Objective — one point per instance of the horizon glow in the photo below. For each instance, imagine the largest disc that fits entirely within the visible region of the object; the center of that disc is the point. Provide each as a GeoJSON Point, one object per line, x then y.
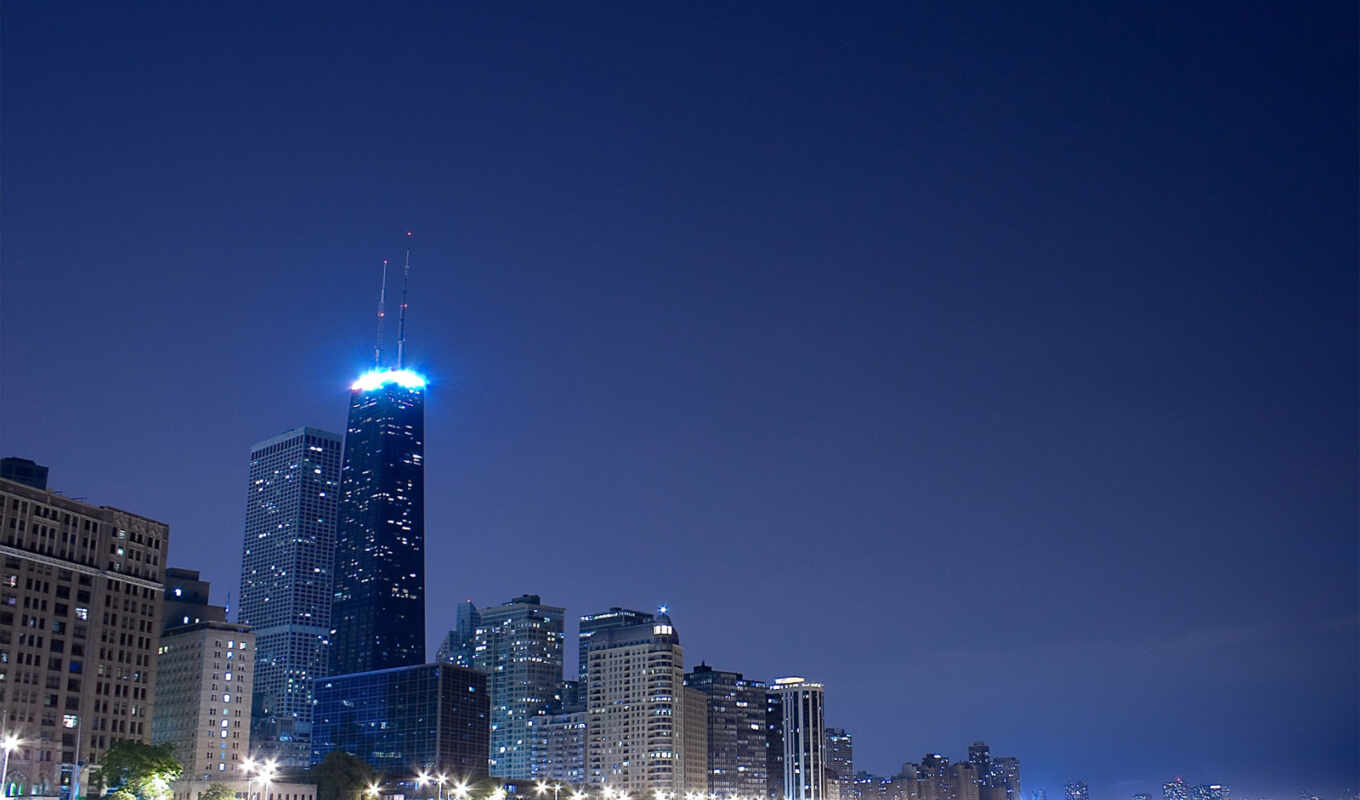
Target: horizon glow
{"type": "Point", "coordinates": [378, 378]}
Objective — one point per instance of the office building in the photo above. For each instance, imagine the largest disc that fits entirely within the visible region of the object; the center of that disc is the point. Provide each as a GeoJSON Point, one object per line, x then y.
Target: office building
{"type": "Point", "coordinates": [1210, 791]}
{"type": "Point", "coordinates": [694, 739]}
{"type": "Point", "coordinates": [1175, 789]}
{"type": "Point", "coordinates": [804, 738]}
{"type": "Point", "coordinates": [433, 717]}
{"type": "Point", "coordinates": [519, 647]}
{"type": "Point", "coordinates": [378, 613]}
{"type": "Point", "coordinates": [637, 712]}
{"type": "Point", "coordinates": [203, 691]}
{"type": "Point", "coordinates": [1076, 791]}
{"type": "Point", "coordinates": [287, 559]}
{"type": "Point", "coordinates": [774, 746]}
{"type": "Point", "coordinates": [840, 764]}
{"type": "Point", "coordinates": [186, 600]}
{"type": "Point", "coordinates": [736, 731]}
{"type": "Point", "coordinates": [560, 747]}
{"type": "Point", "coordinates": [81, 603]}
{"type": "Point", "coordinates": [591, 623]}
{"type": "Point", "coordinates": [23, 470]}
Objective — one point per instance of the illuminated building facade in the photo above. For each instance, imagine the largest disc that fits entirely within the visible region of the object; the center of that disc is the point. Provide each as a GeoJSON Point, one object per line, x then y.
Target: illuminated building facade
{"type": "Point", "coordinates": [378, 613]}
{"type": "Point", "coordinates": [637, 712]}
{"type": "Point", "coordinates": [81, 604]}
{"type": "Point", "coordinates": [203, 697]}
{"type": "Point", "coordinates": [804, 738]}
{"type": "Point", "coordinates": [519, 647]}
{"type": "Point", "coordinates": [592, 623]}
{"type": "Point", "coordinates": [560, 747]}
{"type": "Point", "coordinates": [287, 558]}
{"type": "Point", "coordinates": [736, 731]}
{"type": "Point", "coordinates": [1076, 791]}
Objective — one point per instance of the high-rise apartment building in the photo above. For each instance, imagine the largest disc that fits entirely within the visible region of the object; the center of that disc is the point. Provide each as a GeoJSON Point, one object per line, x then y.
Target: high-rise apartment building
{"type": "Point", "coordinates": [804, 738]}
{"type": "Point", "coordinates": [81, 590]}
{"type": "Point", "coordinates": [840, 763]}
{"type": "Point", "coordinates": [400, 721]}
{"type": "Point", "coordinates": [590, 624]}
{"type": "Point", "coordinates": [736, 731]}
{"type": "Point", "coordinates": [560, 747]}
{"type": "Point", "coordinates": [1175, 789]}
{"type": "Point", "coordinates": [980, 756]}
{"type": "Point", "coordinates": [378, 613]}
{"type": "Point", "coordinates": [519, 647]}
{"type": "Point", "coordinates": [637, 712]}
{"type": "Point", "coordinates": [1210, 791]}
{"type": "Point", "coordinates": [287, 562]}
{"type": "Point", "coordinates": [694, 739]}
{"type": "Point", "coordinates": [1076, 791]}
{"type": "Point", "coordinates": [203, 696]}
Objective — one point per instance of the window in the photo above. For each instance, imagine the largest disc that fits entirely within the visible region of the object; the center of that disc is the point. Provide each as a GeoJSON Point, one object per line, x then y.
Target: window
{"type": "Point", "coordinates": [82, 612]}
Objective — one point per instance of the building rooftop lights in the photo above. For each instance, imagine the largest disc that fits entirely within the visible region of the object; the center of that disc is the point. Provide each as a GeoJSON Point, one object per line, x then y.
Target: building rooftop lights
{"type": "Point", "coordinates": [378, 378]}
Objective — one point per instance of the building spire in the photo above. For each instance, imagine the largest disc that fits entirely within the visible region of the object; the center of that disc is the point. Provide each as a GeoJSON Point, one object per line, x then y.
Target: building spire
{"type": "Point", "coordinates": [401, 321]}
{"type": "Point", "coordinates": [382, 299]}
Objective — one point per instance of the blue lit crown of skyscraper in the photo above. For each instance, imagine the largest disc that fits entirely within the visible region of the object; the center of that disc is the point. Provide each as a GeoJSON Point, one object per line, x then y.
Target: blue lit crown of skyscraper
{"type": "Point", "coordinates": [378, 615]}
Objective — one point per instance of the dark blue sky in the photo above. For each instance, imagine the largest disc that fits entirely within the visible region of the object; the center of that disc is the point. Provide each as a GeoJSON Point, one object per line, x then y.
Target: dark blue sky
{"type": "Point", "coordinates": [995, 364]}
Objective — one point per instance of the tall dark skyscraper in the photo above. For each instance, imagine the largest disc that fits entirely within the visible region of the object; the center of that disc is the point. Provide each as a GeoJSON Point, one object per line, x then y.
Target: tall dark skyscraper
{"type": "Point", "coordinates": [736, 731]}
{"type": "Point", "coordinates": [378, 614]}
{"type": "Point", "coordinates": [378, 611]}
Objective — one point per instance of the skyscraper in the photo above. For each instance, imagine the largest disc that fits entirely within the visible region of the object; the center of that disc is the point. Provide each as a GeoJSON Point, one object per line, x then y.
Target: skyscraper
{"type": "Point", "coordinates": [774, 746]}
{"type": "Point", "coordinates": [378, 615]}
{"type": "Point", "coordinates": [286, 581]}
{"type": "Point", "coordinates": [840, 762]}
{"type": "Point", "coordinates": [519, 647]}
{"type": "Point", "coordinates": [591, 623]}
{"type": "Point", "coordinates": [1005, 773]}
{"type": "Point", "coordinates": [1077, 791]}
{"type": "Point", "coordinates": [1175, 789]}
{"type": "Point", "coordinates": [980, 756]}
{"type": "Point", "coordinates": [736, 731]}
{"type": "Point", "coordinates": [637, 712]}
{"type": "Point", "coordinates": [804, 738]}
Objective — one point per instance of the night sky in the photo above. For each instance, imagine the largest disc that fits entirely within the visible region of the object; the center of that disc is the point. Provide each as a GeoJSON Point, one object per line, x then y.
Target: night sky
{"type": "Point", "coordinates": [993, 364]}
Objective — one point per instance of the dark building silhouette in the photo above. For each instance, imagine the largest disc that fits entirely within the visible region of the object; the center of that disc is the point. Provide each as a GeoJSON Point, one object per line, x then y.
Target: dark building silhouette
{"type": "Point", "coordinates": [736, 731]}
{"type": "Point", "coordinates": [186, 600]}
{"type": "Point", "coordinates": [22, 470]}
{"type": "Point", "coordinates": [433, 717]}
{"type": "Point", "coordinates": [378, 613]}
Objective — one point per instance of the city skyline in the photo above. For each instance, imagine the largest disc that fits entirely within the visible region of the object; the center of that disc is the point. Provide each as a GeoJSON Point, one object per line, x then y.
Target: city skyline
{"type": "Point", "coordinates": [995, 370]}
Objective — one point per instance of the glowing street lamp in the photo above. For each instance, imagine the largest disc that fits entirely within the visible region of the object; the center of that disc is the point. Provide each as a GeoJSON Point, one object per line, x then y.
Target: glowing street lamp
{"type": "Point", "coordinates": [372, 790]}
{"type": "Point", "coordinates": [460, 790]}
{"type": "Point", "coordinates": [422, 779]}
{"type": "Point", "coordinates": [9, 743]}
{"type": "Point", "coordinates": [440, 779]}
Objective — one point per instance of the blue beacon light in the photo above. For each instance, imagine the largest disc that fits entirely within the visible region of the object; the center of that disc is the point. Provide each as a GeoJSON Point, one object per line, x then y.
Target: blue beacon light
{"type": "Point", "coordinates": [378, 378]}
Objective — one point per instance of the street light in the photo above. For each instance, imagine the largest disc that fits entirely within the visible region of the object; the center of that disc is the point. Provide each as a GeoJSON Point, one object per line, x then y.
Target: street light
{"type": "Point", "coordinates": [9, 744]}
{"type": "Point", "coordinates": [460, 790]}
{"type": "Point", "coordinates": [268, 773]}
{"type": "Point", "coordinates": [372, 790]}
{"type": "Point", "coordinates": [422, 778]}
{"type": "Point", "coordinates": [440, 779]}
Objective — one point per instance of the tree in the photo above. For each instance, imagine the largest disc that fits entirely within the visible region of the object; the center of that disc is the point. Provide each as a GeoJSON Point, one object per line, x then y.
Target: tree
{"type": "Point", "coordinates": [217, 791]}
{"type": "Point", "coordinates": [139, 770]}
{"type": "Point", "coordinates": [341, 776]}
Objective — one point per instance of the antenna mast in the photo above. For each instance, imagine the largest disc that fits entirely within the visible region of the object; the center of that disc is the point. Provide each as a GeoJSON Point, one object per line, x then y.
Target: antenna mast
{"type": "Point", "coordinates": [401, 323]}
{"type": "Point", "coordinates": [382, 299]}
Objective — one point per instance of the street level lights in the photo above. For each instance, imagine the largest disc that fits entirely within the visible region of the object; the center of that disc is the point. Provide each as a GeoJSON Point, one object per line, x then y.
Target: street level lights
{"type": "Point", "coordinates": [440, 779]}
{"type": "Point", "coordinates": [9, 744]}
